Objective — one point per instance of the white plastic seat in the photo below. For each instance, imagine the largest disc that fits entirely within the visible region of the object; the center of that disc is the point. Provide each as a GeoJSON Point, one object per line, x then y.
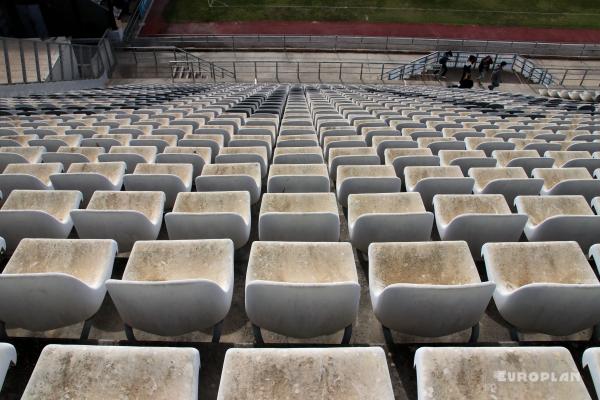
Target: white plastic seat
{"type": "Point", "coordinates": [28, 177]}
{"type": "Point", "coordinates": [173, 287]}
{"type": "Point", "coordinates": [171, 179]}
{"type": "Point", "coordinates": [257, 140]}
{"type": "Point", "coordinates": [130, 155]}
{"type": "Point", "coordinates": [257, 154]}
{"type": "Point", "coordinates": [196, 156]}
{"type": "Point", "coordinates": [37, 214]}
{"type": "Point", "coordinates": [110, 372]}
{"type": "Point", "coordinates": [53, 283]}
{"type": "Point", "coordinates": [488, 144]}
{"type": "Point", "coordinates": [301, 290]}
{"type": "Point", "coordinates": [480, 373]}
{"type": "Point", "coordinates": [543, 287]}
{"type": "Point", "coordinates": [89, 177]}
{"type": "Point", "coordinates": [298, 178]}
{"type": "Point", "coordinates": [106, 141]}
{"type": "Point", "coordinates": [381, 143]}
{"type": "Point", "coordinates": [387, 217]}
{"type": "Point", "coordinates": [211, 215]}
{"type": "Point", "coordinates": [160, 142]}
{"type": "Point", "coordinates": [574, 159]}
{"type": "Point", "coordinates": [507, 181]}
{"type": "Point", "coordinates": [351, 156]}
{"type": "Point", "coordinates": [298, 155]}
{"type": "Point", "coordinates": [428, 289]}
{"type": "Point", "coordinates": [477, 219]}
{"type": "Point", "coordinates": [123, 216]}
{"type": "Point", "coordinates": [402, 158]}
{"type": "Point", "coordinates": [591, 360]}
{"type": "Point", "coordinates": [465, 159]}
{"type": "Point", "coordinates": [214, 141]}
{"type": "Point", "coordinates": [53, 142]}
{"type": "Point", "coordinates": [299, 217]}
{"type": "Point", "coordinates": [559, 218]}
{"type": "Point", "coordinates": [20, 155]}
{"type": "Point", "coordinates": [429, 181]}
{"type": "Point", "coordinates": [336, 142]}
{"type": "Point", "coordinates": [231, 177]}
{"type": "Point", "coordinates": [437, 144]}
{"type": "Point", "coordinates": [67, 155]}
{"type": "Point", "coordinates": [526, 159]}
{"type": "Point", "coordinates": [8, 357]}
{"type": "Point", "coordinates": [365, 179]}
{"type": "Point", "coordinates": [568, 181]}
{"type": "Point", "coordinates": [16, 140]}
{"type": "Point", "coordinates": [361, 373]}
{"type": "Point", "coordinates": [308, 140]}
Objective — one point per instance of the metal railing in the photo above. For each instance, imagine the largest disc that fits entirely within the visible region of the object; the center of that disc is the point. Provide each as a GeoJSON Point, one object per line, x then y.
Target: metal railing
{"type": "Point", "coordinates": [518, 64]}
{"type": "Point", "coordinates": [35, 61]}
{"type": "Point", "coordinates": [366, 43]}
{"type": "Point", "coordinates": [133, 24]}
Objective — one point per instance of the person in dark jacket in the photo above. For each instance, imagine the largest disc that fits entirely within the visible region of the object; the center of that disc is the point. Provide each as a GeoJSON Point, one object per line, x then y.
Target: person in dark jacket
{"type": "Point", "coordinates": [497, 76]}
{"type": "Point", "coordinates": [444, 63]}
{"type": "Point", "coordinates": [484, 66]}
{"type": "Point", "coordinates": [466, 81]}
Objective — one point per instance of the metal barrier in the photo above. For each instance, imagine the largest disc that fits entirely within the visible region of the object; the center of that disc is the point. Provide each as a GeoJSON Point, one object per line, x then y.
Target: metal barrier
{"type": "Point", "coordinates": [365, 43]}
{"type": "Point", "coordinates": [35, 61]}
{"type": "Point", "coordinates": [133, 24]}
{"type": "Point", "coordinates": [522, 66]}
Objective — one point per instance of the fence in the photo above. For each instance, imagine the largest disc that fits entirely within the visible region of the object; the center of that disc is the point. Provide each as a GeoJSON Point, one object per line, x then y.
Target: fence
{"type": "Point", "coordinates": [365, 43]}
{"type": "Point", "coordinates": [35, 61]}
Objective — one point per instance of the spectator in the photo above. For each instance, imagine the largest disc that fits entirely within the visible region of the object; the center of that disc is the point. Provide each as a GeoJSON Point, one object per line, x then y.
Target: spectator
{"type": "Point", "coordinates": [497, 76]}
{"type": "Point", "coordinates": [484, 66]}
{"type": "Point", "coordinates": [444, 63]}
{"type": "Point", "coordinates": [466, 81]}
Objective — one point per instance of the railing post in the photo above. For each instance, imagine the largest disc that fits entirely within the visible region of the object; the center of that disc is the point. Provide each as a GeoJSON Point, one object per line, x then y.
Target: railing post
{"type": "Point", "coordinates": [298, 71]}
{"type": "Point", "coordinates": [23, 68]}
{"type": "Point", "coordinates": [37, 61]}
{"type": "Point", "coordinates": [564, 77]}
{"type": "Point", "coordinates": [193, 74]}
{"type": "Point", "coordinates": [277, 71]}
{"type": "Point", "coordinates": [6, 60]}
{"type": "Point", "coordinates": [319, 71]}
{"type": "Point", "coordinates": [340, 77]}
{"type": "Point", "coordinates": [234, 72]}
{"type": "Point", "coordinates": [62, 62]}
{"type": "Point", "coordinates": [255, 73]}
{"type": "Point", "coordinates": [584, 76]}
{"type": "Point", "coordinates": [382, 71]}
{"type": "Point", "coordinates": [361, 72]}
{"type": "Point", "coordinates": [49, 56]}
{"type": "Point", "coordinates": [155, 61]}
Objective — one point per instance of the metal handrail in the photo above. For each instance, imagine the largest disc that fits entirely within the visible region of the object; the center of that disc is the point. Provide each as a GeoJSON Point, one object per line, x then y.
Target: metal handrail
{"type": "Point", "coordinates": [371, 43]}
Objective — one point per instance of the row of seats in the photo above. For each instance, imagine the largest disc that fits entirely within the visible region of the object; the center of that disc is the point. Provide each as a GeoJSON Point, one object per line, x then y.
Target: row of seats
{"type": "Point", "coordinates": [332, 373]}
{"type": "Point", "coordinates": [302, 289]}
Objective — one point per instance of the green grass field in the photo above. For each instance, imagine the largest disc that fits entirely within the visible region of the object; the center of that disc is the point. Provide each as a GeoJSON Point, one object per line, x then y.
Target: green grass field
{"type": "Point", "coordinates": [532, 13]}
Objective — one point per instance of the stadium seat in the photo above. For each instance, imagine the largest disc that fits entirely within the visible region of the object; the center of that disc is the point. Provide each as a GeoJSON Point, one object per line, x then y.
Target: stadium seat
{"type": "Point", "coordinates": [298, 178]}
{"type": "Point", "coordinates": [543, 287]}
{"type": "Point", "coordinates": [387, 217]}
{"type": "Point", "coordinates": [67, 155]}
{"type": "Point", "coordinates": [497, 372]}
{"type": "Point", "coordinates": [196, 156]}
{"type": "Point", "coordinates": [20, 155]}
{"type": "Point", "coordinates": [574, 159]}
{"type": "Point", "coordinates": [214, 141]}
{"type": "Point", "coordinates": [231, 177]}
{"type": "Point", "coordinates": [211, 215]}
{"type": "Point", "coordinates": [401, 158]}
{"type": "Point", "coordinates": [559, 218]}
{"type": "Point", "coordinates": [427, 289]}
{"type": "Point", "coordinates": [526, 159]}
{"type": "Point", "coordinates": [171, 179]}
{"type": "Point", "coordinates": [28, 177]}
{"type": "Point", "coordinates": [351, 156]}
{"type": "Point", "coordinates": [360, 373]}
{"type": "Point", "coordinates": [37, 214]}
{"type": "Point", "coordinates": [52, 142]}
{"type": "Point", "coordinates": [567, 181]}
{"type": "Point", "coordinates": [89, 177]}
{"type": "Point", "coordinates": [477, 219]}
{"type": "Point", "coordinates": [122, 216]}
{"type": "Point", "coordinates": [257, 154]}
{"type": "Point", "coordinates": [429, 181]}
{"type": "Point", "coordinates": [302, 290]}
{"type": "Point", "coordinates": [353, 179]}
{"type": "Point", "coordinates": [465, 159]}
{"type": "Point", "coordinates": [299, 217]}
{"type": "Point", "coordinates": [130, 155]}
{"type": "Point", "coordinates": [507, 181]}
{"type": "Point", "coordinates": [8, 357]}
{"type": "Point", "coordinates": [53, 283]}
{"type": "Point", "coordinates": [81, 371]}
{"type": "Point", "coordinates": [174, 287]}
{"type": "Point", "coordinates": [488, 145]}
{"type": "Point", "coordinates": [298, 155]}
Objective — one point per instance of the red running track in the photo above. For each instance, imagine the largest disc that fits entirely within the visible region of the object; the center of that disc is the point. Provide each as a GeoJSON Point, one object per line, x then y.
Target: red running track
{"type": "Point", "coordinates": [157, 25]}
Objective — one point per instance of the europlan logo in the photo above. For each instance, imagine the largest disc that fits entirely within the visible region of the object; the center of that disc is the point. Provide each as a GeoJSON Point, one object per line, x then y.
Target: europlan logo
{"type": "Point", "coordinates": [535, 376]}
